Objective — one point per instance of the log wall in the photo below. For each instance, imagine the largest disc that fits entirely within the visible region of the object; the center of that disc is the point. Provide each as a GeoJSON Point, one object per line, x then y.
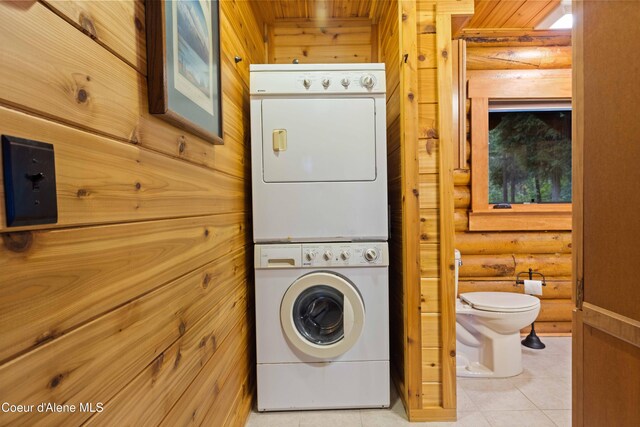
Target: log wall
{"type": "Point", "coordinates": [491, 260]}
{"type": "Point", "coordinates": [139, 298]}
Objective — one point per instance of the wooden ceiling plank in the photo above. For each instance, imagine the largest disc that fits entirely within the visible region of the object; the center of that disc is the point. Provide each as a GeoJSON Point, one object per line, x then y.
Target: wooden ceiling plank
{"type": "Point", "coordinates": [528, 11]}
{"type": "Point", "coordinates": [483, 10]}
{"type": "Point", "coordinates": [543, 13]}
{"type": "Point", "coordinates": [503, 11]}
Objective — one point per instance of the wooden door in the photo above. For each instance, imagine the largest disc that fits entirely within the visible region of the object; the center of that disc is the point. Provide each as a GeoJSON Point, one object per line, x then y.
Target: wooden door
{"type": "Point", "coordinates": [606, 321]}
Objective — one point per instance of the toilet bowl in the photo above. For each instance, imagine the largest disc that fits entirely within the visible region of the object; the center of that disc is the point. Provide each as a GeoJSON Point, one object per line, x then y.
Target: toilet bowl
{"type": "Point", "coordinates": [488, 331]}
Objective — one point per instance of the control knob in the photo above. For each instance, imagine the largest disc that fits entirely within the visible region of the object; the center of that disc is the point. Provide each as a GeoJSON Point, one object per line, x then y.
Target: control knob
{"type": "Point", "coordinates": [345, 82]}
{"type": "Point", "coordinates": [370, 254]}
{"type": "Point", "coordinates": [310, 255]}
{"type": "Point", "coordinates": [345, 255]}
{"type": "Point", "coordinates": [328, 255]}
{"type": "Point", "coordinates": [306, 83]}
{"type": "Point", "coordinates": [326, 83]}
{"type": "Point", "coordinates": [367, 81]}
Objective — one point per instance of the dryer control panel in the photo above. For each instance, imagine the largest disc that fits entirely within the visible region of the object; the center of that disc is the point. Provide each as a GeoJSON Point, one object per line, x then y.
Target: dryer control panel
{"type": "Point", "coordinates": [312, 255]}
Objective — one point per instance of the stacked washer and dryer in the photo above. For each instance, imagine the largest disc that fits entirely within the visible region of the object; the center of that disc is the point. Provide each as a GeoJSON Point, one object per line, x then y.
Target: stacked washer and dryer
{"type": "Point", "coordinates": [320, 226]}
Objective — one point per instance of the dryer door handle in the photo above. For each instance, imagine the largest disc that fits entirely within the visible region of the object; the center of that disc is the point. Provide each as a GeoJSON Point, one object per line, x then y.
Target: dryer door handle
{"type": "Point", "coordinates": [279, 140]}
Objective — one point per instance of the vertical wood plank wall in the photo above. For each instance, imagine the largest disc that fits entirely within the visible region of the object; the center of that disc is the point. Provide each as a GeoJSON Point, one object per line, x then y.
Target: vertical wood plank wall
{"type": "Point", "coordinates": [491, 260]}
{"type": "Point", "coordinates": [428, 168]}
{"type": "Point", "coordinates": [140, 297]}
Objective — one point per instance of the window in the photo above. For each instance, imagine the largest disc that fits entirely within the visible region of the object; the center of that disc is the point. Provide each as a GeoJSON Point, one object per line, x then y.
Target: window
{"type": "Point", "coordinates": [520, 150]}
{"type": "Point", "coordinates": [529, 155]}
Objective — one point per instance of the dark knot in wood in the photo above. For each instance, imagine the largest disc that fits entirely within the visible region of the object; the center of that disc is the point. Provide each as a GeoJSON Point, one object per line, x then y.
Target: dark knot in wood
{"type": "Point", "coordinates": [445, 53]}
{"type": "Point", "coordinates": [182, 144]}
{"type": "Point", "coordinates": [206, 280]}
{"type": "Point", "coordinates": [55, 381]}
{"type": "Point", "coordinates": [182, 328]}
{"type": "Point", "coordinates": [178, 358]}
{"type": "Point", "coordinates": [411, 96]}
{"type": "Point", "coordinates": [87, 26]}
{"type": "Point", "coordinates": [138, 23]}
{"type": "Point", "coordinates": [82, 96]}
{"type": "Point", "coordinates": [138, 186]}
{"type": "Point", "coordinates": [157, 364]}
{"type": "Point", "coordinates": [19, 241]}
{"type": "Point", "coordinates": [429, 146]}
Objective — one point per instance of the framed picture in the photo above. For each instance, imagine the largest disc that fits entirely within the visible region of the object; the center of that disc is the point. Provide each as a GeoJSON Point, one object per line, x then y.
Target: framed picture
{"type": "Point", "coordinates": [183, 65]}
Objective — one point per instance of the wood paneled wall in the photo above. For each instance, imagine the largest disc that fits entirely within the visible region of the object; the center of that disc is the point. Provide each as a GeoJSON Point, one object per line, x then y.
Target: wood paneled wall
{"type": "Point", "coordinates": [322, 42]}
{"type": "Point", "coordinates": [140, 297]}
{"type": "Point", "coordinates": [491, 260]}
{"type": "Point", "coordinates": [428, 160]}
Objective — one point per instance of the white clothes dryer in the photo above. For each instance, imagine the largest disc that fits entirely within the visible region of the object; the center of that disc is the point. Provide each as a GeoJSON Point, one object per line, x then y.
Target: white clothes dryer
{"type": "Point", "coordinates": [318, 152]}
{"type": "Point", "coordinates": [322, 326]}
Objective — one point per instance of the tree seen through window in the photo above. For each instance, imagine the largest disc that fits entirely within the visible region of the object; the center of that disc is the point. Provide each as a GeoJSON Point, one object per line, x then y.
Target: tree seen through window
{"type": "Point", "coordinates": [530, 157]}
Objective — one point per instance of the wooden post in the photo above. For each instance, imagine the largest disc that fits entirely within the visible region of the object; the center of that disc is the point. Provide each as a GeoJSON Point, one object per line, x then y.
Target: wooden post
{"type": "Point", "coordinates": [410, 210]}
{"type": "Point", "coordinates": [445, 127]}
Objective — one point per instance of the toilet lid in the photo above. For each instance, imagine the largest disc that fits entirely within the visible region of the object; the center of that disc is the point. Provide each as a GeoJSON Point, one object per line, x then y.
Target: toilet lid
{"type": "Point", "coordinates": [500, 301]}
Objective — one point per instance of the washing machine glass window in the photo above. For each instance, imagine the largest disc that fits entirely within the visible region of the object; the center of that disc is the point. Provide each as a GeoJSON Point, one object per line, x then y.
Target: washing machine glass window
{"type": "Point", "coordinates": [318, 314]}
{"type": "Point", "coordinates": [322, 314]}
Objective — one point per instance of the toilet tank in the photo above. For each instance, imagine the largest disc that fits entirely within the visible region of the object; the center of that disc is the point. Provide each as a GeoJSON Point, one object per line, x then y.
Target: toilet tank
{"type": "Point", "coordinates": [458, 263]}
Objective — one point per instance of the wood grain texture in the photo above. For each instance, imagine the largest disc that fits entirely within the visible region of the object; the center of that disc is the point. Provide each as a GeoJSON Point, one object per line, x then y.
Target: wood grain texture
{"type": "Point", "coordinates": [431, 365]}
{"type": "Point", "coordinates": [518, 57]}
{"type": "Point", "coordinates": [110, 24]}
{"type": "Point", "coordinates": [446, 196]}
{"type": "Point", "coordinates": [323, 54]}
{"type": "Point", "coordinates": [515, 37]}
{"type": "Point", "coordinates": [549, 83]}
{"type": "Point", "coordinates": [512, 14]}
{"type": "Point", "coordinates": [508, 265]}
{"type": "Point", "coordinates": [513, 242]}
{"type": "Point", "coordinates": [163, 381]}
{"type": "Point", "coordinates": [109, 99]}
{"type": "Point", "coordinates": [409, 90]}
{"type": "Point", "coordinates": [430, 295]}
{"type": "Point", "coordinates": [74, 275]}
{"type": "Point", "coordinates": [78, 366]}
{"type": "Point", "coordinates": [129, 308]}
{"type": "Point", "coordinates": [131, 183]}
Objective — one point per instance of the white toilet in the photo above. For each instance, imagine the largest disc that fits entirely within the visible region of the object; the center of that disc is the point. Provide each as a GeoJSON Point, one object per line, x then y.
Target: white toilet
{"type": "Point", "coordinates": [488, 331]}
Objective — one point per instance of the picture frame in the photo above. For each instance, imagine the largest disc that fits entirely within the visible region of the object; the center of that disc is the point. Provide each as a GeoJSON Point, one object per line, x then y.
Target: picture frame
{"type": "Point", "coordinates": [183, 65]}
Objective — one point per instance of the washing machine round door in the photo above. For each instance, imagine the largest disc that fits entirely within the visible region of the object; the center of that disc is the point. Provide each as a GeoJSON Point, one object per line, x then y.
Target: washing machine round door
{"type": "Point", "coordinates": [322, 314]}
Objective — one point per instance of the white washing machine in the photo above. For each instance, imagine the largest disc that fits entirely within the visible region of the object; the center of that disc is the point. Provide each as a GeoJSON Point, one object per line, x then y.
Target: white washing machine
{"type": "Point", "coordinates": [318, 152]}
{"type": "Point", "coordinates": [322, 326]}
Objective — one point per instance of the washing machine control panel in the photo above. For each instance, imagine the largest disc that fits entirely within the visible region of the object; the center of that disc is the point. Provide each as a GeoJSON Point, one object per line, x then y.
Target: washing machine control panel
{"type": "Point", "coordinates": [345, 254]}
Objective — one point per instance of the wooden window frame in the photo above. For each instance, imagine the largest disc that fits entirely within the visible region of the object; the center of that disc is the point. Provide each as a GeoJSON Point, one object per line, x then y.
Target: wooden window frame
{"type": "Point", "coordinates": [510, 85]}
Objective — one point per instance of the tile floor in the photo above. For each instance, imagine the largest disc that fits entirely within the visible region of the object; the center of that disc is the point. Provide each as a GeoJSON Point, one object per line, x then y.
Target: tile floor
{"type": "Point", "coordinates": [539, 397]}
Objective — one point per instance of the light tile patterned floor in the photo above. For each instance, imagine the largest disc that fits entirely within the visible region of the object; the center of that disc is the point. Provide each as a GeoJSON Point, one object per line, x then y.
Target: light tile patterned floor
{"type": "Point", "coordinates": [539, 397]}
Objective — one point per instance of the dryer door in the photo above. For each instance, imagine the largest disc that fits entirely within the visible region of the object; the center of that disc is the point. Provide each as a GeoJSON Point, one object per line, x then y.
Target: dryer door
{"type": "Point", "coordinates": [322, 314]}
{"type": "Point", "coordinates": [318, 140]}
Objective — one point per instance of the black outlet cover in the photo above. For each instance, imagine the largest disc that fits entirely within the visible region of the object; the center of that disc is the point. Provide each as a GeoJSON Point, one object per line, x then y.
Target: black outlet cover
{"type": "Point", "coordinates": [29, 182]}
